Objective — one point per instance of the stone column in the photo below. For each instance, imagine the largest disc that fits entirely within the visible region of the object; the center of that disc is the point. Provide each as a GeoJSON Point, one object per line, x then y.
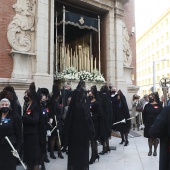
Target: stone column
{"type": "Point", "coordinates": [119, 13]}
{"type": "Point", "coordinates": [110, 47]}
{"type": "Point", "coordinates": [44, 44]}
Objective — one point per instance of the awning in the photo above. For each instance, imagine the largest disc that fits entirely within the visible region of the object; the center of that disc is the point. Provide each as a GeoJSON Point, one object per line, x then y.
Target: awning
{"type": "Point", "coordinates": [78, 20]}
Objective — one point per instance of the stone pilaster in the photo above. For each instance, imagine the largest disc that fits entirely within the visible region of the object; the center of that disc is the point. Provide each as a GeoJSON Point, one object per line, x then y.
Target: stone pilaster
{"type": "Point", "coordinates": [21, 37]}
{"type": "Point", "coordinates": [110, 47]}
{"type": "Point", "coordinates": [43, 76]}
{"type": "Point", "coordinates": [119, 13]}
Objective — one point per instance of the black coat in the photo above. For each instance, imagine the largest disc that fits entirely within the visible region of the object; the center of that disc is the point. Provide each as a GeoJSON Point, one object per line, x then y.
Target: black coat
{"type": "Point", "coordinates": [161, 129]}
{"type": "Point", "coordinates": [56, 111]}
{"type": "Point", "coordinates": [32, 135]}
{"type": "Point", "coordinates": [11, 127]}
{"type": "Point", "coordinates": [96, 114]}
{"type": "Point", "coordinates": [149, 115]}
{"type": "Point", "coordinates": [106, 117]}
{"type": "Point", "coordinates": [122, 112]}
{"type": "Point", "coordinates": [30, 120]}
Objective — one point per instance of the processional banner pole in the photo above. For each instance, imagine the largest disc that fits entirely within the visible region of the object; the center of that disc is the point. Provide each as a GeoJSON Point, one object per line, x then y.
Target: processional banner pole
{"type": "Point", "coordinates": [99, 42]}
{"type": "Point", "coordinates": [63, 51]}
{"type": "Point", "coordinates": [56, 48]}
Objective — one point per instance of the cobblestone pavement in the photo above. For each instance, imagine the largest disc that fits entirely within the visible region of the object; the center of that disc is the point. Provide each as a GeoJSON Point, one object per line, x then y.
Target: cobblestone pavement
{"type": "Point", "coordinates": [132, 157]}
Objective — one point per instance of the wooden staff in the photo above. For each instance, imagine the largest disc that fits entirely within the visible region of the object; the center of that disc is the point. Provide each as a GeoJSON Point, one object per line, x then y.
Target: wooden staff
{"type": "Point", "coordinates": [57, 130]}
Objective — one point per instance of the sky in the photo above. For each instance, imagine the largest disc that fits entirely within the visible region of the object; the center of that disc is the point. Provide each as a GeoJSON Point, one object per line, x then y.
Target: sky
{"type": "Point", "coordinates": [148, 11]}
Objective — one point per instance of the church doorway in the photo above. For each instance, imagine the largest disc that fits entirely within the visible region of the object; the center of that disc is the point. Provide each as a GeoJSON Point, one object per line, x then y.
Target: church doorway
{"type": "Point", "coordinates": [77, 38]}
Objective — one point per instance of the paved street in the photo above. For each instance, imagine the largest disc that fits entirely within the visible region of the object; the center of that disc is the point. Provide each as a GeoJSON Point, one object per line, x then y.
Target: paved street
{"type": "Point", "coordinates": [132, 157]}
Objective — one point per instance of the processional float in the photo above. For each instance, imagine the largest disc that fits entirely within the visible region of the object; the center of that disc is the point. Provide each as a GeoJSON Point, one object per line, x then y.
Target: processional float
{"type": "Point", "coordinates": [80, 57]}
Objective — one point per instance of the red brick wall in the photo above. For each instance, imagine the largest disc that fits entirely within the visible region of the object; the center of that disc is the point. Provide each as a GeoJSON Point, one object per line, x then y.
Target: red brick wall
{"type": "Point", "coordinates": [6, 15]}
{"type": "Point", "coordinates": [129, 20]}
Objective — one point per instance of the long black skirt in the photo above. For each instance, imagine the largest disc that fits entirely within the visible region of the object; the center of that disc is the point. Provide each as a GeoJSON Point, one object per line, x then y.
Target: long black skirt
{"type": "Point", "coordinates": [7, 160]}
{"type": "Point", "coordinates": [78, 156]}
{"type": "Point", "coordinates": [32, 151]}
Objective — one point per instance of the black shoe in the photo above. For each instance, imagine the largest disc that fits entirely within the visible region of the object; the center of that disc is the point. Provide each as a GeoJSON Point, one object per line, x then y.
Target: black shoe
{"type": "Point", "coordinates": [93, 159]}
{"type": "Point", "coordinates": [149, 153]}
{"type": "Point", "coordinates": [154, 153]}
{"type": "Point", "coordinates": [102, 152]}
{"type": "Point", "coordinates": [122, 142]}
{"type": "Point", "coordinates": [43, 167]}
{"type": "Point", "coordinates": [126, 143]}
{"type": "Point", "coordinates": [63, 150]}
{"type": "Point", "coordinates": [46, 160]}
{"type": "Point", "coordinates": [108, 149]}
{"type": "Point", "coordinates": [52, 155]}
{"type": "Point", "coordinates": [97, 157]}
{"type": "Point", "coordinates": [60, 156]}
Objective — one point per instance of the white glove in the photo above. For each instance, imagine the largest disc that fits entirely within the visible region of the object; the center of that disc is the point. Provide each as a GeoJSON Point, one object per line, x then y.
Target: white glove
{"type": "Point", "coordinates": [51, 120]}
{"type": "Point", "coordinates": [15, 153]}
{"type": "Point", "coordinates": [48, 133]}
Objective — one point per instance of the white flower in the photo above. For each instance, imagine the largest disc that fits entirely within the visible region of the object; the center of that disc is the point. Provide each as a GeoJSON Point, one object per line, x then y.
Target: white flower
{"type": "Point", "coordinates": [72, 74]}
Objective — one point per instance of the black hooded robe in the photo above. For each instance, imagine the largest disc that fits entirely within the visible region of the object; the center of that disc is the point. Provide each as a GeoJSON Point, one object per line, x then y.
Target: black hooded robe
{"type": "Point", "coordinates": [78, 132]}
{"type": "Point", "coordinates": [161, 129]}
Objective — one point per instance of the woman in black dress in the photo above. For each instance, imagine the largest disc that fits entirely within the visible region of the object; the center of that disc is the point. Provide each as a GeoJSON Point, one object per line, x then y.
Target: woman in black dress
{"type": "Point", "coordinates": [149, 114]}
{"type": "Point", "coordinates": [96, 113]}
{"type": "Point", "coordinates": [106, 119]}
{"type": "Point", "coordinates": [10, 126]}
{"type": "Point", "coordinates": [78, 130]}
{"type": "Point", "coordinates": [56, 113]}
{"type": "Point", "coordinates": [31, 130]}
{"type": "Point", "coordinates": [122, 113]}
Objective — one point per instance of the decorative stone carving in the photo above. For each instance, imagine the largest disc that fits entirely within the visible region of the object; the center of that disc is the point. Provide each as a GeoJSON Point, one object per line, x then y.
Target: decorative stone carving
{"type": "Point", "coordinates": [20, 29]}
{"type": "Point", "coordinates": [127, 52]}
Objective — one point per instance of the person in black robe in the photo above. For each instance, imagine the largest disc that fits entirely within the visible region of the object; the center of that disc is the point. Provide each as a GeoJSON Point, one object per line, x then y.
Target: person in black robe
{"type": "Point", "coordinates": [12, 97]}
{"type": "Point", "coordinates": [10, 126]}
{"type": "Point", "coordinates": [161, 129]}
{"type": "Point", "coordinates": [106, 106]}
{"type": "Point", "coordinates": [45, 115]}
{"type": "Point", "coordinates": [96, 113]}
{"type": "Point", "coordinates": [79, 130]}
{"type": "Point", "coordinates": [149, 114]}
{"type": "Point", "coordinates": [113, 97]}
{"type": "Point", "coordinates": [122, 113]}
{"type": "Point", "coordinates": [56, 112]}
{"type": "Point", "coordinates": [32, 133]}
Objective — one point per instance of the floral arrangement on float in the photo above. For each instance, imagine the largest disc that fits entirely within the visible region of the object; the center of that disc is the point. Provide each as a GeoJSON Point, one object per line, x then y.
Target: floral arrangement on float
{"type": "Point", "coordinates": [71, 73]}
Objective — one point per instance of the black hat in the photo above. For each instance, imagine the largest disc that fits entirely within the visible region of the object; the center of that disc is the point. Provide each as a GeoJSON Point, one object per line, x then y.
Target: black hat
{"type": "Point", "coordinates": [45, 91]}
{"type": "Point", "coordinates": [94, 91]}
{"type": "Point", "coordinates": [81, 84]}
{"type": "Point", "coordinates": [56, 90]}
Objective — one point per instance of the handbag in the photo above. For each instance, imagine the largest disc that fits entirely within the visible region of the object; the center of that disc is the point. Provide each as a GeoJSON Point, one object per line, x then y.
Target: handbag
{"type": "Point", "coordinates": [139, 108]}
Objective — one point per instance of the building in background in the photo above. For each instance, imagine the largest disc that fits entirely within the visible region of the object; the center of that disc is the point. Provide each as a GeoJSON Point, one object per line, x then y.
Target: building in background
{"type": "Point", "coordinates": [153, 47]}
{"type": "Point", "coordinates": [30, 41]}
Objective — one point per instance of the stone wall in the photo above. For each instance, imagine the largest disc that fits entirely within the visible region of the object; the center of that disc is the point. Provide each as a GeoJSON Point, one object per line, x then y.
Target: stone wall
{"type": "Point", "coordinates": [6, 61]}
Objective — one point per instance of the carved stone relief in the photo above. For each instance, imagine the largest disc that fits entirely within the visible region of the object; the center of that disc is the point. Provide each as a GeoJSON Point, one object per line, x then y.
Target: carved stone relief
{"type": "Point", "coordinates": [21, 28]}
{"type": "Point", "coordinates": [127, 52]}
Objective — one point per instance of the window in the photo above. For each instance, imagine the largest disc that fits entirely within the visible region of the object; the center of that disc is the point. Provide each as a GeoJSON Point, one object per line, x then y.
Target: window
{"type": "Point", "coordinates": [167, 49]}
{"type": "Point", "coordinates": [162, 38]}
{"type": "Point", "coordinates": [167, 36]}
{"type": "Point", "coordinates": [162, 52]}
{"type": "Point", "coordinates": [167, 21]}
{"type": "Point", "coordinates": [163, 65]}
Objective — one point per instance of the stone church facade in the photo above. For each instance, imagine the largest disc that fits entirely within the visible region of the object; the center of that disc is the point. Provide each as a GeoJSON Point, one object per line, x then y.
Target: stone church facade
{"type": "Point", "coordinates": [28, 34]}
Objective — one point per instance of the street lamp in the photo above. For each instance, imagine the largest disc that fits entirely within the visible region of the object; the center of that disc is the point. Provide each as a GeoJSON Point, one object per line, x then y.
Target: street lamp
{"type": "Point", "coordinates": [154, 75]}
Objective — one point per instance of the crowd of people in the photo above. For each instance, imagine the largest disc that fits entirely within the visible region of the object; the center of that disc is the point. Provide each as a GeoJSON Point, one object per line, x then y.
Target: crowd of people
{"type": "Point", "coordinates": [68, 121]}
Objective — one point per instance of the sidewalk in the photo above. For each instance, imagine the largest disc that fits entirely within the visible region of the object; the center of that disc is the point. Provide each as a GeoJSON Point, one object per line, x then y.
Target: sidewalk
{"type": "Point", "coordinates": [132, 157]}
